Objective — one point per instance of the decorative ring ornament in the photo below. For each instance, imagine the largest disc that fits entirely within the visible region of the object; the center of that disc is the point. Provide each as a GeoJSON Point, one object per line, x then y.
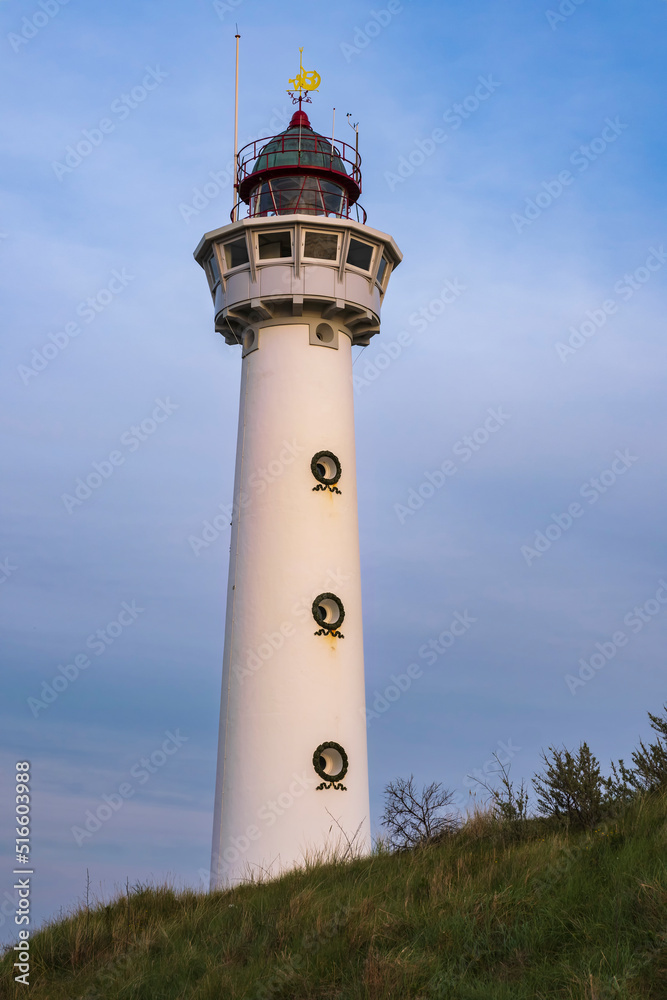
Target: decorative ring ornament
{"type": "Point", "coordinates": [326, 468]}
{"type": "Point", "coordinates": [328, 612]}
{"type": "Point", "coordinates": [330, 780]}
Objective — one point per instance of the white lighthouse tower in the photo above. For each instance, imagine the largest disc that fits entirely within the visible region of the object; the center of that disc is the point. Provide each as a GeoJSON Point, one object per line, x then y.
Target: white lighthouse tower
{"type": "Point", "coordinates": [295, 285]}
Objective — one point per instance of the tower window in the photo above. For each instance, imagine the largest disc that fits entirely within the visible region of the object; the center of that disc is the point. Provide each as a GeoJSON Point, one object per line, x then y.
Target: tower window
{"type": "Point", "coordinates": [326, 468]}
{"type": "Point", "coordinates": [213, 269]}
{"type": "Point", "coordinates": [324, 333]}
{"type": "Point", "coordinates": [328, 612]}
{"type": "Point", "coordinates": [236, 253]}
{"type": "Point", "coordinates": [274, 245]}
{"type": "Point", "coordinates": [360, 255]}
{"type": "Point", "coordinates": [330, 761]}
{"type": "Point", "coordinates": [382, 269]}
{"type": "Point", "coordinates": [250, 341]}
{"type": "Point", "coordinates": [324, 246]}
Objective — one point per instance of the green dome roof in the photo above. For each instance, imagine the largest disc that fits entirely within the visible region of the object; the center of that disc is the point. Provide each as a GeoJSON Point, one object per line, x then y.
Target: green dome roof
{"type": "Point", "coordinates": [298, 146]}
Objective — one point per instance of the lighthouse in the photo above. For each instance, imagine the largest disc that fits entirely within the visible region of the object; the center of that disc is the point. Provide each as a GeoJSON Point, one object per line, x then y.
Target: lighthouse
{"type": "Point", "coordinates": [296, 283]}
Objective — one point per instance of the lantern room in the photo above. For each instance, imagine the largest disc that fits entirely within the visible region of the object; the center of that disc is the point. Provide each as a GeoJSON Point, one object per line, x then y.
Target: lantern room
{"type": "Point", "coordinates": [300, 172]}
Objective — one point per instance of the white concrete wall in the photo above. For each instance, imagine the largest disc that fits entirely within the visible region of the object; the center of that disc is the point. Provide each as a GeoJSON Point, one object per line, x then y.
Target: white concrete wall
{"type": "Point", "coordinates": [288, 545]}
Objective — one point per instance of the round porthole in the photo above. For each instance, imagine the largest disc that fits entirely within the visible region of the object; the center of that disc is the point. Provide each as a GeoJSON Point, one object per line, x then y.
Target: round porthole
{"type": "Point", "coordinates": [330, 761]}
{"type": "Point", "coordinates": [328, 612]}
{"type": "Point", "coordinates": [324, 333]}
{"type": "Point", "coordinates": [326, 468]}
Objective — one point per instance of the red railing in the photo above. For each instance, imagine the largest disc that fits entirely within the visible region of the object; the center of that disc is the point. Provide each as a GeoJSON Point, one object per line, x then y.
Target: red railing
{"type": "Point", "coordinates": [305, 145]}
{"type": "Point", "coordinates": [355, 211]}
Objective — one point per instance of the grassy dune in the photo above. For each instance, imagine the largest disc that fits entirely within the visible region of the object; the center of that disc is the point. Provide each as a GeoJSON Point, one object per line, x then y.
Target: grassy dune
{"type": "Point", "coordinates": [491, 913]}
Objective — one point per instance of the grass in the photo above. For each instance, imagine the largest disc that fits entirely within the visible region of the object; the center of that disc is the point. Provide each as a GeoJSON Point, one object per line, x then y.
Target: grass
{"type": "Point", "coordinates": [491, 913]}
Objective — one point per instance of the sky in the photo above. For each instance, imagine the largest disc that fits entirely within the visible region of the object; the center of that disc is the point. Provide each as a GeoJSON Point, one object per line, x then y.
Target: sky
{"type": "Point", "coordinates": [510, 417]}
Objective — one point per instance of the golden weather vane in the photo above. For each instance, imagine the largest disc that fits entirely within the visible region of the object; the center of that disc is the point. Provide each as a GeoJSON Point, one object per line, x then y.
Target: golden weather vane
{"type": "Point", "coordinates": [305, 80]}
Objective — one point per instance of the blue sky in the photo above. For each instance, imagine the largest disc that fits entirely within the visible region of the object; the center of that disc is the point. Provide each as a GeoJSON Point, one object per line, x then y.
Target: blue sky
{"type": "Point", "coordinates": [545, 243]}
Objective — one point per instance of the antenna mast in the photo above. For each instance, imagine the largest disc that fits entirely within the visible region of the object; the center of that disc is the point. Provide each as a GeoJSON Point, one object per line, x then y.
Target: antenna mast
{"type": "Point", "coordinates": [355, 126]}
{"type": "Point", "coordinates": [236, 125]}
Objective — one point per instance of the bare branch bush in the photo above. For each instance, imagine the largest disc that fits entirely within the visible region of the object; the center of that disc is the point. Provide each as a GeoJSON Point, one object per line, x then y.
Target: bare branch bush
{"type": "Point", "coordinates": [413, 819]}
{"type": "Point", "coordinates": [508, 804]}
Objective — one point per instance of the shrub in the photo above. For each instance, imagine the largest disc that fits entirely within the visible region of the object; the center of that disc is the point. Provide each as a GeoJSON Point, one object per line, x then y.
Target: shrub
{"type": "Point", "coordinates": [508, 804]}
{"type": "Point", "coordinates": [572, 787]}
{"type": "Point", "coordinates": [649, 773]}
{"type": "Point", "coordinates": [413, 819]}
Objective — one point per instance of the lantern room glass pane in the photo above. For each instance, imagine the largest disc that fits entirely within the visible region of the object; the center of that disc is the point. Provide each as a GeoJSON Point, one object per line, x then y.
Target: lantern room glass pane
{"type": "Point", "coordinates": [274, 245]}
{"type": "Point", "coordinates": [285, 193]}
{"type": "Point", "coordinates": [335, 199]}
{"type": "Point", "coordinates": [359, 255]}
{"type": "Point", "coordinates": [311, 197]}
{"type": "Point", "coordinates": [382, 268]}
{"type": "Point", "coordinates": [262, 201]}
{"type": "Point", "coordinates": [324, 246]}
{"type": "Point", "coordinates": [300, 193]}
{"type": "Point", "coordinates": [236, 253]}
